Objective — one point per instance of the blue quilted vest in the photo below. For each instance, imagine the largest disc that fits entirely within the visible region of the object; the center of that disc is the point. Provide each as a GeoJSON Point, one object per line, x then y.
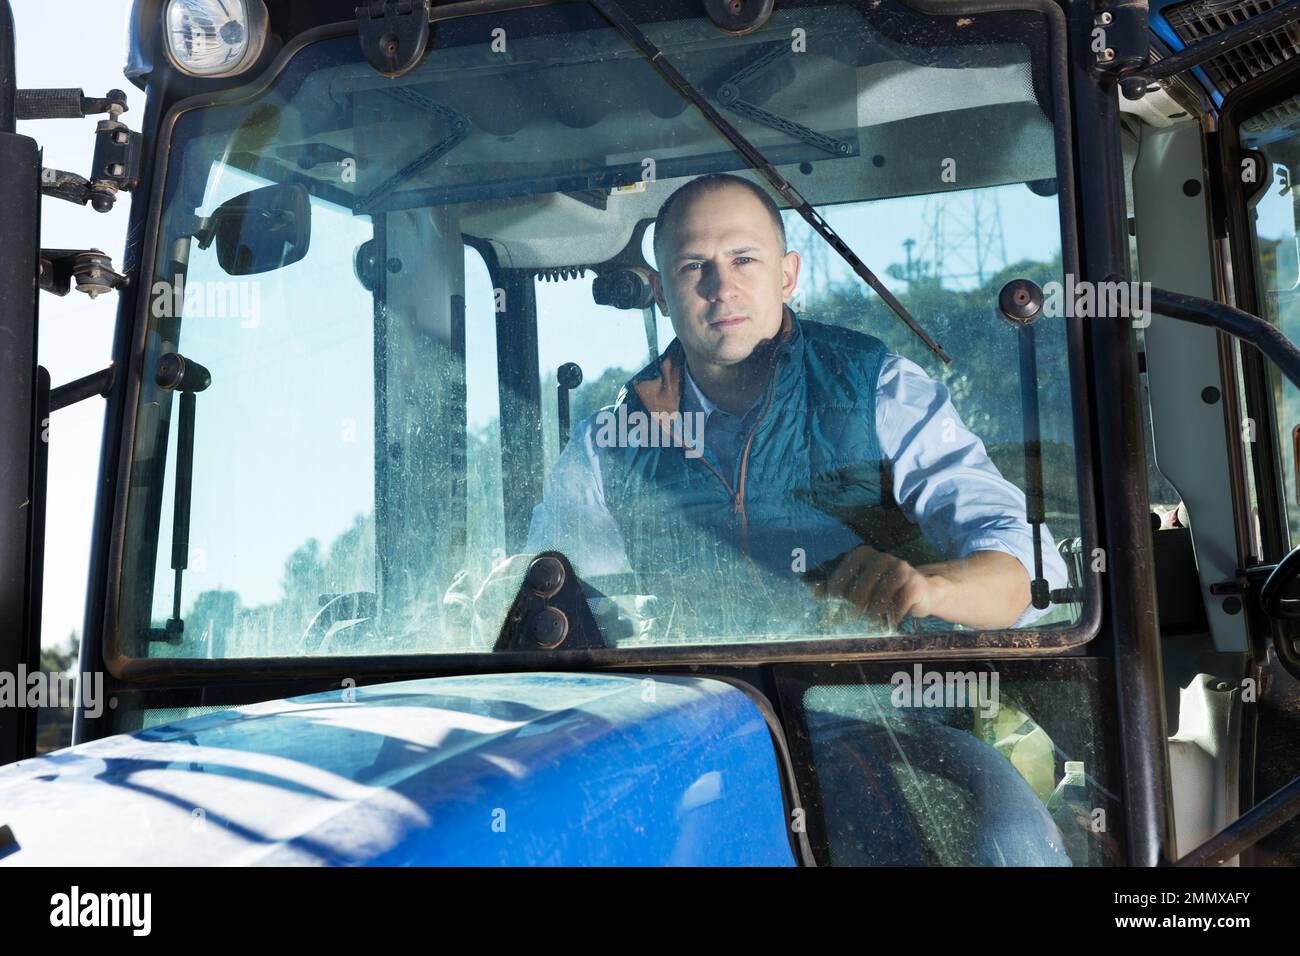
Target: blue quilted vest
{"type": "Point", "coordinates": [811, 484]}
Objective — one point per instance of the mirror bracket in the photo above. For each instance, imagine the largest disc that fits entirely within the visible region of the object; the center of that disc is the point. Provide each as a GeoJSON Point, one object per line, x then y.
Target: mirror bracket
{"type": "Point", "coordinates": [1120, 36]}
{"type": "Point", "coordinates": [394, 34]}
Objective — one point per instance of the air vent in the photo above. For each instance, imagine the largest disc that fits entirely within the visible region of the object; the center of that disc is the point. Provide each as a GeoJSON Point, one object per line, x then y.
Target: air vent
{"type": "Point", "coordinates": [1201, 19]}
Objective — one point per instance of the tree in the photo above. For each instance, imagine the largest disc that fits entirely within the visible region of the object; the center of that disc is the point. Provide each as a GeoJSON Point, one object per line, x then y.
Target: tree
{"type": "Point", "coordinates": [983, 378]}
{"type": "Point", "coordinates": [56, 661]}
{"type": "Point", "coordinates": [54, 724]}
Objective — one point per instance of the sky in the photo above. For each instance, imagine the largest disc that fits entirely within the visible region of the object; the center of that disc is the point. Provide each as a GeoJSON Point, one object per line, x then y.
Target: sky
{"type": "Point", "coordinates": [76, 333]}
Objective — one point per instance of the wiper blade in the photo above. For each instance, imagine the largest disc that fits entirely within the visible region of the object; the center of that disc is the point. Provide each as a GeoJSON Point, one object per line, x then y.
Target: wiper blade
{"type": "Point", "coordinates": [458, 127]}
{"type": "Point", "coordinates": [731, 96]}
{"type": "Point", "coordinates": [628, 27]}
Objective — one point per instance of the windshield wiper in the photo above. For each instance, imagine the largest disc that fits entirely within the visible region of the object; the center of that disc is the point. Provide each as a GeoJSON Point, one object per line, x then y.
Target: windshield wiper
{"type": "Point", "coordinates": [628, 27]}
{"type": "Point", "coordinates": [458, 127]}
{"type": "Point", "coordinates": [732, 97]}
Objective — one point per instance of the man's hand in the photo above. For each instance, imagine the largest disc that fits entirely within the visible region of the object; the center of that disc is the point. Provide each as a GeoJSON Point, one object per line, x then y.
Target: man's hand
{"type": "Point", "coordinates": [885, 588]}
{"type": "Point", "coordinates": [985, 589]}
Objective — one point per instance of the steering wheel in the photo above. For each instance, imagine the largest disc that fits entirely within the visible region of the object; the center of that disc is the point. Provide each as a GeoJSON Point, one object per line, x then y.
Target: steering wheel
{"type": "Point", "coordinates": [1273, 593]}
{"type": "Point", "coordinates": [357, 606]}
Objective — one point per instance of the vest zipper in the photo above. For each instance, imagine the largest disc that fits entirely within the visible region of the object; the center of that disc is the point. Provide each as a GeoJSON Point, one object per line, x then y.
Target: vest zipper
{"type": "Point", "coordinates": [744, 455]}
{"type": "Point", "coordinates": [738, 494]}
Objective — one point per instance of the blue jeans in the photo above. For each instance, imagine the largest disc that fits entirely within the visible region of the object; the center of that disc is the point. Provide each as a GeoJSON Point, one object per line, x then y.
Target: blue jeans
{"type": "Point", "coordinates": [917, 792]}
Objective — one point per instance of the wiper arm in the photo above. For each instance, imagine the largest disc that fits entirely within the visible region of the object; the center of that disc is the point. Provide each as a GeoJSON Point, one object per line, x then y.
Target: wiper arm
{"type": "Point", "coordinates": [458, 128]}
{"type": "Point", "coordinates": [628, 27]}
{"type": "Point", "coordinates": [730, 96]}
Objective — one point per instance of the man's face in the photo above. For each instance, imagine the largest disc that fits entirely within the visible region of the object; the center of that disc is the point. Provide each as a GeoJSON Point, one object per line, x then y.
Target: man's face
{"type": "Point", "coordinates": [723, 280]}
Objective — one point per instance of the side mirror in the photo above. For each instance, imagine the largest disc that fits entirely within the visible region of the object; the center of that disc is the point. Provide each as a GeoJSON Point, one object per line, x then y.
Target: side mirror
{"type": "Point", "coordinates": [261, 230]}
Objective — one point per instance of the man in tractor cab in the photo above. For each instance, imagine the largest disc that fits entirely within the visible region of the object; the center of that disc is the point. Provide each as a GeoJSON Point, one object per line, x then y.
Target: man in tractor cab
{"type": "Point", "coordinates": [821, 451]}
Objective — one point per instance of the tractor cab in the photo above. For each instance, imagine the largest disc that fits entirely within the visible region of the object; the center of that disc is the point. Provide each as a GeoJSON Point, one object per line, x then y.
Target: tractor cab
{"type": "Point", "coordinates": [392, 274]}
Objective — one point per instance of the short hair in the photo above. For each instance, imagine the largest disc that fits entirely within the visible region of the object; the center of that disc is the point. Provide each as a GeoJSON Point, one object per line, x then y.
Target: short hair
{"type": "Point", "coordinates": [712, 182]}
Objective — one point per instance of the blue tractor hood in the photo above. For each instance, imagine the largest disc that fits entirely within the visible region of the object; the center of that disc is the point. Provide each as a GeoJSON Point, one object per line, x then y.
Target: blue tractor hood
{"type": "Point", "coordinates": [514, 769]}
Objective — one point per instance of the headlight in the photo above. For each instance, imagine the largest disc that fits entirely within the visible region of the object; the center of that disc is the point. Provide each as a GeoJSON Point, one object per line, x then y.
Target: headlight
{"type": "Point", "coordinates": [214, 37]}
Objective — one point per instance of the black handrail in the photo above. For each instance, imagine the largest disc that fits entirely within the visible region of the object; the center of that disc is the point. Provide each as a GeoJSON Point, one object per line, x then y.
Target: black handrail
{"type": "Point", "coordinates": [1257, 26]}
{"type": "Point", "coordinates": [1277, 348]}
{"type": "Point", "coordinates": [1248, 829]}
{"type": "Point", "coordinates": [1268, 815]}
{"type": "Point", "coordinates": [88, 386]}
{"type": "Point", "coordinates": [8, 74]}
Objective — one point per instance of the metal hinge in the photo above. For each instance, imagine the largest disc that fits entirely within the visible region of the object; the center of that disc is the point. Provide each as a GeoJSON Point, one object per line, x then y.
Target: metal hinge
{"type": "Point", "coordinates": [91, 269]}
{"type": "Point", "coordinates": [117, 162]}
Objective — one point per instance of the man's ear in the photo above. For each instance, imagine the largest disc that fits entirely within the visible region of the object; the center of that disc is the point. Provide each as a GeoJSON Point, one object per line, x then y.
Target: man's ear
{"type": "Point", "coordinates": [657, 287]}
{"type": "Point", "coordinates": [790, 263]}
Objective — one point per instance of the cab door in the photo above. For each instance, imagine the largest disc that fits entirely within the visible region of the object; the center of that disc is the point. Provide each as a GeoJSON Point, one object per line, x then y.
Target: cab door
{"type": "Point", "coordinates": [1259, 161]}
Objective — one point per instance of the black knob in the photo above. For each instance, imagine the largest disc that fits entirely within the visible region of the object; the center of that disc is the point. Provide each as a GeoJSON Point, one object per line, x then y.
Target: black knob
{"type": "Point", "coordinates": [569, 375]}
{"type": "Point", "coordinates": [738, 17]}
{"type": "Point", "coordinates": [549, 627]}
{"type": "Point", "coordinates": [1021, 301]}
{"type": "Point", "coordinates": [176, 373]}
{"type": "Point", "coordinates": [102, 198]}
{"type": "Point", "coordinates": [545, 576]}
{"type": "Point", "coordinates": [1133, 89]}
{"type": "Point", "coordinates": [365, 265]}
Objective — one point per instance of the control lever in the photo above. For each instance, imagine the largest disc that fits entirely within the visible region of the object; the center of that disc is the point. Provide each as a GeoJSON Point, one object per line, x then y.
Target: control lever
{"type": "Point", "coordinates": [65, 103]}
{"type": "Point", "coordinates": [569, 376]}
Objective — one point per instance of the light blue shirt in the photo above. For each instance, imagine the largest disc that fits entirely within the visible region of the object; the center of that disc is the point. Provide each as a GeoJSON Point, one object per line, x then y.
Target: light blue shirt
{"type": "Point", "coordinates": [943, 481]}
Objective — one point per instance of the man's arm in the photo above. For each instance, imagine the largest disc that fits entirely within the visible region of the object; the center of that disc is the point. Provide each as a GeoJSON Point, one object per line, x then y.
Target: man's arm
{"type": "Point", "coordinates": [986, 589]}
{"type": "Point", "coordinates": [945, 482]}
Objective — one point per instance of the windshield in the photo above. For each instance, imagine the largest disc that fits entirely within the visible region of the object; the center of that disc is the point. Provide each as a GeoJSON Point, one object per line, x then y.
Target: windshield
{"type": "Point", "coordinates": [439, 340]}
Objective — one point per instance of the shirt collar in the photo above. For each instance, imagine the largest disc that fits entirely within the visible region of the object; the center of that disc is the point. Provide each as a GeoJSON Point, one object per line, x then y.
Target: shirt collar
{"type": "Point", "coordinates": [693, 397]}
